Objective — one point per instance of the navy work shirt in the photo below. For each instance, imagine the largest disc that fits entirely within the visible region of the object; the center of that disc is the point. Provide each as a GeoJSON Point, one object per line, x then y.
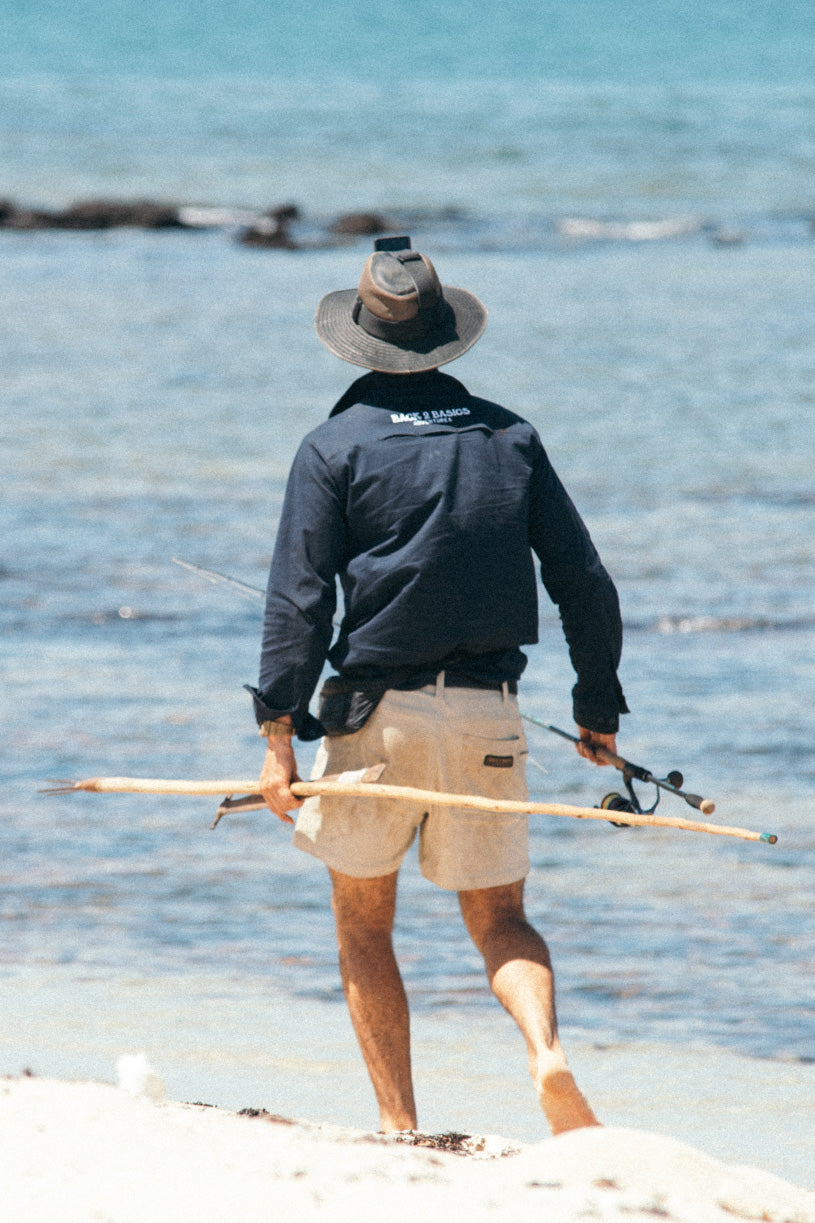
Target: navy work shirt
{"type": "Point", "coordinates": [427, 503]}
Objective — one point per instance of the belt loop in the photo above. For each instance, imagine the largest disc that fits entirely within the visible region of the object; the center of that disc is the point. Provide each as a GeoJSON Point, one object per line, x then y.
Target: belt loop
{"type": "Point", "coordinates": [505, 692]}
{"type": "Point", "coordinates": [440, 686]}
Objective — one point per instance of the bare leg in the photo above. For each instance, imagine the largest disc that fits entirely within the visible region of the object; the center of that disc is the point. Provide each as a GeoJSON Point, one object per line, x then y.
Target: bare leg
{"type": "Point", "coordinates": [520, 975]}
{"type": "Point", "coordinates": [364, 911]}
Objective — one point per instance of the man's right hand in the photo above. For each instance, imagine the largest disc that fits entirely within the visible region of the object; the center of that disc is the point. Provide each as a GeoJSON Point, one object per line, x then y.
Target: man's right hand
{"type": "Point", "coordinates": [590, 739]}
{"type": "Point", "coordinates": [279, 771]}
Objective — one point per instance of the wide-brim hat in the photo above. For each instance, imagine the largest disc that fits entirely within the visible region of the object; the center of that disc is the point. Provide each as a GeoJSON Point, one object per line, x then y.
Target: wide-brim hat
{"type": "Point", "coordinates": [401, 319]}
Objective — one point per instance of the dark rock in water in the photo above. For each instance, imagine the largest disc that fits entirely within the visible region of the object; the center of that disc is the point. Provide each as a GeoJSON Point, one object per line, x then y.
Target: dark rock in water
{"type": "Point", "coordinates": [94, 214]}
{"type": "Point", "coordinates": [284, 213]}
{"type": "Point", "coordinates": [112, 214]}
{"type": "Point", "coordinates": [359, 224]}
{"type": "Point", "coordinates": [270, 237]}
{"type": "Point", "coordinates": [272, 230]}
{"type": "Point", "coordinates": [12, 217]}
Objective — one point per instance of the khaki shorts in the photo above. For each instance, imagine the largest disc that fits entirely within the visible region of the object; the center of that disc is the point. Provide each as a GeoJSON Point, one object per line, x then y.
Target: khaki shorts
{"type": "Point", "coordinates": [458, 740]}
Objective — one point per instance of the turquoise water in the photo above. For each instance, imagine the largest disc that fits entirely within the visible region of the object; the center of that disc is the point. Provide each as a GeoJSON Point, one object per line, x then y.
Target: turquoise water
{"type": "Point", "coordinates": [726, 40]}
{"type": "Point", "coordinates": [513, 108]}
{"type": "Point", "coordinates": [155, 387]}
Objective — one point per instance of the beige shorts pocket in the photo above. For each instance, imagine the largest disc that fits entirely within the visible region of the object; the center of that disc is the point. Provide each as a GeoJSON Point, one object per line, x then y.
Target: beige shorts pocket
{"type": "Point", "coordinates": [494, 767]}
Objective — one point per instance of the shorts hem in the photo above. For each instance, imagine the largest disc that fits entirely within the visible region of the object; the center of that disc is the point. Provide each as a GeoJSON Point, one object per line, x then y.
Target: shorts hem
{"type": "Point", "coordinates": [333, 862]}
{"type": "Point", "coordinates": [471, 884]}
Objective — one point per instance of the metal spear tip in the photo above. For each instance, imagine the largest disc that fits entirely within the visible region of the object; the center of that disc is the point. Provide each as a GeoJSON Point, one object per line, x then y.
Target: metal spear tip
{"type": "Point", "coordinates": [58, 785]}
{"type": "Point", "coordinates": [255, 802]}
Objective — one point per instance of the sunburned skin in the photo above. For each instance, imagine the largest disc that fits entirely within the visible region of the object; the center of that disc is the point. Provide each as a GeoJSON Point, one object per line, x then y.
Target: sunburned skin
{"type": "Point", "coordinates": [563, 1104]}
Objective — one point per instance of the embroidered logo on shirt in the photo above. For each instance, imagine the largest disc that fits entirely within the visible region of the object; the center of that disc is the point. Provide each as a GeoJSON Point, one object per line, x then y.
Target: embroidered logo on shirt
{"type": "Point", "coordinates": [437, 417]}
{"type": "Point", "coordinates": [499, 762]}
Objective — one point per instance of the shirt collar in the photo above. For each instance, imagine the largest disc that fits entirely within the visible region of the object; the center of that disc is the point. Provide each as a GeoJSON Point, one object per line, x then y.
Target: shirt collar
{"type": "Point", "coordinates": [386, 390]}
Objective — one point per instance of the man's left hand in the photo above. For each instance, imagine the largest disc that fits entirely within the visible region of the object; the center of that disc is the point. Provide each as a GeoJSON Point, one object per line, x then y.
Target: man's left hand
{"type": "Point", "coordinates": [589, 739]}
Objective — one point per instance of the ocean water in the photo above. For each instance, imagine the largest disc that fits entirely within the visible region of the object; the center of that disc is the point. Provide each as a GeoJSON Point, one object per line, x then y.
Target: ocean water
{"type": "Point", "coordinates": [154, 389]}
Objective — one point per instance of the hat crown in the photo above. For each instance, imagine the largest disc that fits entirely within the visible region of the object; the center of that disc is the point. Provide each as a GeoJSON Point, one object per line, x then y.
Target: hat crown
{"type": "Point", "coordinates": [394, 293]}
{"type": "Point", "coordinates": [390, 275]}
{"type": "Point", "coordinates": [400, 319]}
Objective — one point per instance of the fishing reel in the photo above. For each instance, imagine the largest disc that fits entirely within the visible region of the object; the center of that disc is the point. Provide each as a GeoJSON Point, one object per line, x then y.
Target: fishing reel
{"type": "Point", "coordinates": [618, 802]}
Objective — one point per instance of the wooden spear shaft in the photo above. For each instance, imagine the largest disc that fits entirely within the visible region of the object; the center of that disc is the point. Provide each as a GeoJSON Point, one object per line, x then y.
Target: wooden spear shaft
{"type": "Point", "coordinates": [303, 789]}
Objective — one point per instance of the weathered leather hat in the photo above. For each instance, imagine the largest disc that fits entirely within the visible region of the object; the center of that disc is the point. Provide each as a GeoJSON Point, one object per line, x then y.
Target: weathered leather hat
{"type": "Point", "coordinates": [401, 319]}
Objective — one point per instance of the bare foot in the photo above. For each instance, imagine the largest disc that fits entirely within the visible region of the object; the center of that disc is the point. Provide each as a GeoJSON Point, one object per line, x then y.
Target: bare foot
{"type": "Point", "coordinates": [565, 1106]}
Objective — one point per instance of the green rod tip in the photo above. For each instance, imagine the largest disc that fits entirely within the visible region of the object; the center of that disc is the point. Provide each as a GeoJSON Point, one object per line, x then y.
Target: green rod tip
{"type": "Point", "coordinates": [769, 837]}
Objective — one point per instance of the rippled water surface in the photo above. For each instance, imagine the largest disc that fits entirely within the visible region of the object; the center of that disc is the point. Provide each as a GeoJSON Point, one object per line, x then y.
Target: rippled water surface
{"type": "Point", "coordinates": [158, 387]}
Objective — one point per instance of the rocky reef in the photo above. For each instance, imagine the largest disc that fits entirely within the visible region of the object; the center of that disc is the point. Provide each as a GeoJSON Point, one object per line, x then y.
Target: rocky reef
{"type": "Point", "coordinates": [271, 229]}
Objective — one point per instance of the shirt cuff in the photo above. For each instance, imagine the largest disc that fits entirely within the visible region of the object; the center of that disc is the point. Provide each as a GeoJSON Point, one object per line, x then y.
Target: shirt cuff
{"type": "Point", "coordinates": [598, 711]}
{"type": "Point", "coordinates": [306, 726]}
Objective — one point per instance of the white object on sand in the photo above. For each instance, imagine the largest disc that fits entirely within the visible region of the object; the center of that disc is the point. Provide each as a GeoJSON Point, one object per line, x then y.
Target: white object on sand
{"type": "Point", "coordinates": [136, 1076]}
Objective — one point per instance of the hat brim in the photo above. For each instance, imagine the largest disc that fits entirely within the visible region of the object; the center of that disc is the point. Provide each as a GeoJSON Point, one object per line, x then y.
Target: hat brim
{"type": "Point", "coordinates": [463, 319]}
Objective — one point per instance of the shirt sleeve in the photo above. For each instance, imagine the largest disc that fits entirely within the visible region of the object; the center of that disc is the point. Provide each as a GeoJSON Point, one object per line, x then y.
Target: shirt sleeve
{"type": "Point", "coordinates": [576, 581]}
{"type": "Point", "coordinates": [301, 596]}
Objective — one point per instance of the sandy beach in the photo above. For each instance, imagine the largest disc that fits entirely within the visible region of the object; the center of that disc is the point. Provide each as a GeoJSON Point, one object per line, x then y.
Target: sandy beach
{"type": "Point", "coordinates": [84, 1151]}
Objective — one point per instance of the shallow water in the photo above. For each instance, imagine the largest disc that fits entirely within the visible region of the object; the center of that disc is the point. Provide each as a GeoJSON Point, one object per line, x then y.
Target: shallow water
{"type": "Point", "coordinates": [141, 431]}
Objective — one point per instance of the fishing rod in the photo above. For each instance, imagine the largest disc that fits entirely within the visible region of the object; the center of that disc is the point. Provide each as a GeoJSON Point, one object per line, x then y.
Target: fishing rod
{"type": "Point", "coordinates": [220, 579]}
{"type": "Point", "coordinates": [364, 783]}
{"type": "Point", "coordinates": [611, 802]}
{"type": "Point", "coordinates": [631, 772]}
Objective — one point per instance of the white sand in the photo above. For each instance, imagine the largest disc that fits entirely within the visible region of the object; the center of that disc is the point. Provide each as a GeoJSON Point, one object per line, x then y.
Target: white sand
{"type": "Point", "coordinates": [92, 1153]}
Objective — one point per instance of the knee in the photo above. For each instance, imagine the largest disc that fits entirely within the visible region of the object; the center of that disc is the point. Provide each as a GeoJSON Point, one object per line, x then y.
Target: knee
{"type": "Point", "coordinates": [499, 934]}
{"type": "Point", "coordinates": [364, 909]}
{"type": "Point", "coordinates": [359, 935]}
{"type": "Point", "coordinates": [360, 930]}
{"type": "Point", "coordinates": [494, 913]}
{"type": "Point", "coordinates": [365, 953]}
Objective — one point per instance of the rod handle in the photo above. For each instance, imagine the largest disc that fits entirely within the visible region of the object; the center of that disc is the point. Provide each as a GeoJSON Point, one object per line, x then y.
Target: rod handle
{"type": "Point", "coordinates": [705, 805]}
